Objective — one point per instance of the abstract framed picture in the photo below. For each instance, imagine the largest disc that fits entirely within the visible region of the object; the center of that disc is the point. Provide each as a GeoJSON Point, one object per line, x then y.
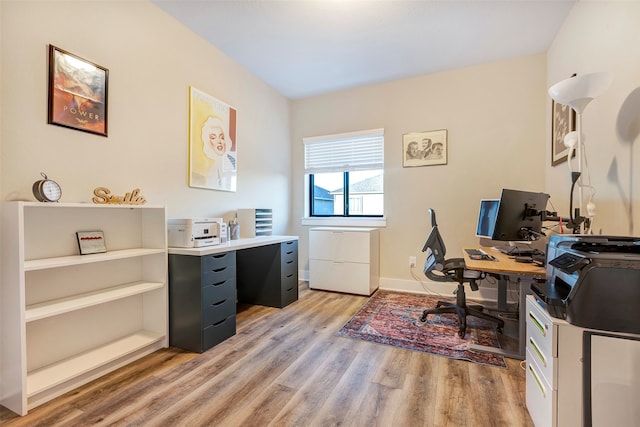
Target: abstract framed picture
{"type": "Point", "coordinates": [91, 242]}
{"type": "Point", "coordinates": [212, 142]}
{"type": "Point", "coordinates": [78, 92]}
{"type": "Point", "coordinates": [424, 148]}
{"type": "Point", "coordinates": [563, 121]}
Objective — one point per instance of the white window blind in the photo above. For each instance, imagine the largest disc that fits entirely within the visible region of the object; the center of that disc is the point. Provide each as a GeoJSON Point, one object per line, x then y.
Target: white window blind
{"type": "Point", "coordinates": [343, 152]}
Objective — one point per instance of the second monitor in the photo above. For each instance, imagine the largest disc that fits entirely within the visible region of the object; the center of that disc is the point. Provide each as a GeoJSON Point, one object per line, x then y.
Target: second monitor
{"type": "Point", "coordinates": [519, 216]}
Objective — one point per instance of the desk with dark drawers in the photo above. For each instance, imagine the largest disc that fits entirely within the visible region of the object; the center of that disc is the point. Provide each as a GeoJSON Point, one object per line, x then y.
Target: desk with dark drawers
{"type": "Point", "coordinates": [206, 283]}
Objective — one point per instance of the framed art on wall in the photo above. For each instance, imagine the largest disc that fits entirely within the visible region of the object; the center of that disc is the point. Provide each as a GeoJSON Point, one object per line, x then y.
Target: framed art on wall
{"type": "Point", "coordinates": [563, 121]}
{"type": "Point", "coordinates": [212, 143]}
{"type": "Point", "coordinates": [78, 92]}
{"type": "Point", "coordinates": [424, 148]}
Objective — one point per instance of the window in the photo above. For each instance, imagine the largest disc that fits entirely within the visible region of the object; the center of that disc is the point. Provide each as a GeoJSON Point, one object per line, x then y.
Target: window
{"type": "Point", "coordinates": [345, 174]}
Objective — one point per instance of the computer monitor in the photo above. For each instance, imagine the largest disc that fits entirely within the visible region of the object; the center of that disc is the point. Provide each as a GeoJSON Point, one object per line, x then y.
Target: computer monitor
{"type": "Point", "coordinates": [520, 216]}
{"type": "Point", "coordinates": [487, 218]}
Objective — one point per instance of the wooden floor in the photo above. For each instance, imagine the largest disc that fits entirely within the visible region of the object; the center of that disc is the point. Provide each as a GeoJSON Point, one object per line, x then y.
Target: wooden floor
{"type": "Point", "coordinates": [287, 368]}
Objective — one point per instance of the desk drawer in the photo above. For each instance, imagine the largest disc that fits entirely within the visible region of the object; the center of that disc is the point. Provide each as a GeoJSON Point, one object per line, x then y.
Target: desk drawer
{"type": "Point", "coordinates": [540, 329]}
{"type": "Point", "coordinates": [541, 398]}
{"type": "Point", "coordinates": [218, 311]}
{"type": "Point", "coordinates": [546, 364]}
{"type": "Point", "coordinates": [218, 261]}
{"type": "Point", "coordinates": [289, 282]}
{"type": "Point", "coordinates": [288, 268]}
{"type": "Point", "coordinates": [224, 274]}
{"type": "Point", "coordinates": [217, 292]}
{"type": "Point", "coordinates": [216, 333]}
{"type": "Point", "coordinates": [289, 296]}
{"type": "Point", "coordinates": [289, 251]}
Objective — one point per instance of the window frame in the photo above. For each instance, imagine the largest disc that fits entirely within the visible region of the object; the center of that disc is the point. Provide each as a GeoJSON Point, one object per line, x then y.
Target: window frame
{"type": "Point", "coordinates": [345, 218]}
{"type": "Point", "coordinates": [346, 196]}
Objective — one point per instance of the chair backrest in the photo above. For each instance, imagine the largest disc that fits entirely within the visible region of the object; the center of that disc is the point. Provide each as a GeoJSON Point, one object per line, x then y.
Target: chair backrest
{"type": "Point", "coordinates": [439, 269]}
{"type": "Point", "coordinates": [435, 248]}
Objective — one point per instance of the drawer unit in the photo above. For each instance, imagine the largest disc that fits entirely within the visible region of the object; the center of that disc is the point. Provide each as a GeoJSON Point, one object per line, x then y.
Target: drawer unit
{"type": "Point", "coordinates": [202, 300]}
{"type": "Point", "coordinates": [554, 369]}
{"type": "Point", "coordinates": [344, 259]}
{"type": "Point", "coordinates": [268, 275]}
{"type": "Point", "coordinates": [289, 284]}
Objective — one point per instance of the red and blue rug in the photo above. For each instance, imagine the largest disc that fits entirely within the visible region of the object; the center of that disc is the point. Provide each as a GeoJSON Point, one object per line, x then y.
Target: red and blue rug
{"type": "Point", "coordinates": [393, 318]}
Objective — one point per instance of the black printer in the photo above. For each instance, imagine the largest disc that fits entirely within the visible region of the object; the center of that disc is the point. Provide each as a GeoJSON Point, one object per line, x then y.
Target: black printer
{"type": "Point", "coordinates": [593, 282]}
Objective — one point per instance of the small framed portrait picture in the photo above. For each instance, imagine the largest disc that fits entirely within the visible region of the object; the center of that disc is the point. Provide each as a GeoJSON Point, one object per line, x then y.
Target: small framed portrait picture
{"type": "Point", "coordinates": [424, 148]}
{"type": "Point", "coordinates": [91, 242]}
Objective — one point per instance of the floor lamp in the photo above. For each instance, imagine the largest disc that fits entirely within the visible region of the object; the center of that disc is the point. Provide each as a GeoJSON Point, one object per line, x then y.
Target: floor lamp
{"type": "Point", "coordinates": [577, 92]}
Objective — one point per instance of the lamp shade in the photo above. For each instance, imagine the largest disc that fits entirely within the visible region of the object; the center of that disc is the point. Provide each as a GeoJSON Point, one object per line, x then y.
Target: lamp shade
{"type": "Point", "coordinates": [571, 139]}
{"type": "Point", "coordinates": [578, 91]}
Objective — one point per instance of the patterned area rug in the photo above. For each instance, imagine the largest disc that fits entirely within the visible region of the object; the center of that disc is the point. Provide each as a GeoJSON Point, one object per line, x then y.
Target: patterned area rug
{"type": "Point", "coordinates": [393, 318]}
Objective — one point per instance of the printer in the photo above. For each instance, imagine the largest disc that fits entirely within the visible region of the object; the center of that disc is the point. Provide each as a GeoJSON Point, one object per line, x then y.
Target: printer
{"type": "Point", "coordinates": [193, 233]}
{"type": "Point", "coordinates": [593, 282]}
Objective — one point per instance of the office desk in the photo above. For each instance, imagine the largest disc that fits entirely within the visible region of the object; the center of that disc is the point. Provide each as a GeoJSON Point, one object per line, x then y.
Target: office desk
{"type": "Point", "coordinates": [525, 273]}
{"type": "Point", "coordinates": [205, 284]}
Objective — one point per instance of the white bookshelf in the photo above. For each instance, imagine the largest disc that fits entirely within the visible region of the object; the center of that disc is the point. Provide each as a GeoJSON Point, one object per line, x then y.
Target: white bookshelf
{"type": "Point", "coordinates": [66, 318]}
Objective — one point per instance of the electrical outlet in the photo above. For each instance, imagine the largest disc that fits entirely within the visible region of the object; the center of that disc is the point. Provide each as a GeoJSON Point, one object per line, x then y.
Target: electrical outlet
{"type": "Point", "coordinates": [412, 261]}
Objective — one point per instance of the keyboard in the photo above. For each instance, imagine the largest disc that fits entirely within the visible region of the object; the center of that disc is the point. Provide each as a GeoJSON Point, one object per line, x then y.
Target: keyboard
{"type": "Point", "coordinates": [479, 254]}
{"type": "Point", "coordinates": [516, 251]}
{"type": "Point", "coordinates": [475, 252]}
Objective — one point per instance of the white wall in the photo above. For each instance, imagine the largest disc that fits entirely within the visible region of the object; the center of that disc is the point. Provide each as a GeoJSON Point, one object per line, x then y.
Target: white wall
{"type": "Point", "coordinates": [152, 61]}
{"type": "Point", "coordinates": [498, 117]}
{"type": "Point", "coordinates": [495, 117]}
{"type": "Point", "coordinates": [602, 36]}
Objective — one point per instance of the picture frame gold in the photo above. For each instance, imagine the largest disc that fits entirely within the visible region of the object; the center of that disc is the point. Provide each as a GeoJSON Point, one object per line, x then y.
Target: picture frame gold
{"type": "Point", "coordinates": [78, 92]}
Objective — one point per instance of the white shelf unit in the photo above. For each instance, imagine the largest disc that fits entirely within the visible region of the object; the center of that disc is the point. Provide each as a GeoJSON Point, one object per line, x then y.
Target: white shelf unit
{"type": "Point", "coordinates": [66, 318]}
{"type": "Point", "coordinates": [255, 222]}
{"type": "Point", "coordinates": [344, 259]}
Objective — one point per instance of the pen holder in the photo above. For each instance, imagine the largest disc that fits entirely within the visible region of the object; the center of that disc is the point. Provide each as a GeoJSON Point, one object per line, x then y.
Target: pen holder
{"type": "Point", "coordinates": [234, 231]}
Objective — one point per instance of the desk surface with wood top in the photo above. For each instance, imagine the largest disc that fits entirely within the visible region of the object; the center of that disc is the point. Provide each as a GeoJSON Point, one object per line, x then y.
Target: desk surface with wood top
{"type": "Point", "coordinates": [503, 264]}
{"type": "Point", "coordinates": [523, 272]}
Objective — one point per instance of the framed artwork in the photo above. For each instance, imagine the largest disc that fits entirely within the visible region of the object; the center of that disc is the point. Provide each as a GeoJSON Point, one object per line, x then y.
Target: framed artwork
{"type": "Point", "coordinates": [424, 148]}
{"type": "Point", "coordinates": [78, 92]}
{"type": "Point", "coordinates": [563, 121]}
{"type": "Point", "coordinates": [212, 142]}
{"type": "Point", "coordinates": [91, 242]}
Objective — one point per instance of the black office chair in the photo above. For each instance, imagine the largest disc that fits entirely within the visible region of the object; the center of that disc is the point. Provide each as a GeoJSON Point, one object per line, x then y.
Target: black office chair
{"type": "Point", "coordinates": [439, 269]}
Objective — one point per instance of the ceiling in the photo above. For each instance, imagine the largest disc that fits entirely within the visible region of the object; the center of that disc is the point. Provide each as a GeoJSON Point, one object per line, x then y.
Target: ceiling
{"type": "Point", "coordinates": [305, 48]}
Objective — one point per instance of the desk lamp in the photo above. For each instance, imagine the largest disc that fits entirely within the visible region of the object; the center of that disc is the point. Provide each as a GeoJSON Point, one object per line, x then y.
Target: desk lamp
{"type": "Point", "coordinates": [577, 92]}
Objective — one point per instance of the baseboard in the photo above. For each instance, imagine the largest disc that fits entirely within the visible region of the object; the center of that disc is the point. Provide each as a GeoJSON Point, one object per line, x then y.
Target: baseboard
{"type": "Point", "coordinates": [487, 292]}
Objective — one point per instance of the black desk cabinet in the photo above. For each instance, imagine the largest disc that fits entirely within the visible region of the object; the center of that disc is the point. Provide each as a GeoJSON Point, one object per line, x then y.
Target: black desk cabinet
{"type": "Point", "coordinates": [268, 275]}
{"type": "Point", "coordinates": [204, 290]}
{"type": "Point", "coordinates": [202, 300]}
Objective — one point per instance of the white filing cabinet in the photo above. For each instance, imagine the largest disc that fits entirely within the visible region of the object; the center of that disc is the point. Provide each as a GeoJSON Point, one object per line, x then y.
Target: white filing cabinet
{"type": "Point", "coordinates": [554, 383]}
{"type": "Point", "coordinates": [344, 259]}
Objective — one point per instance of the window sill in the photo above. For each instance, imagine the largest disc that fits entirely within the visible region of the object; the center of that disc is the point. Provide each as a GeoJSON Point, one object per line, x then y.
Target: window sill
{"type": "Point", "coordinates": [345, 222]}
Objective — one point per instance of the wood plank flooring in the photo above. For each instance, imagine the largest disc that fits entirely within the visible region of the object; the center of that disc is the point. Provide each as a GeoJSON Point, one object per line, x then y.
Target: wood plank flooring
{"type": "Point", "coordinates": [287, 368]}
